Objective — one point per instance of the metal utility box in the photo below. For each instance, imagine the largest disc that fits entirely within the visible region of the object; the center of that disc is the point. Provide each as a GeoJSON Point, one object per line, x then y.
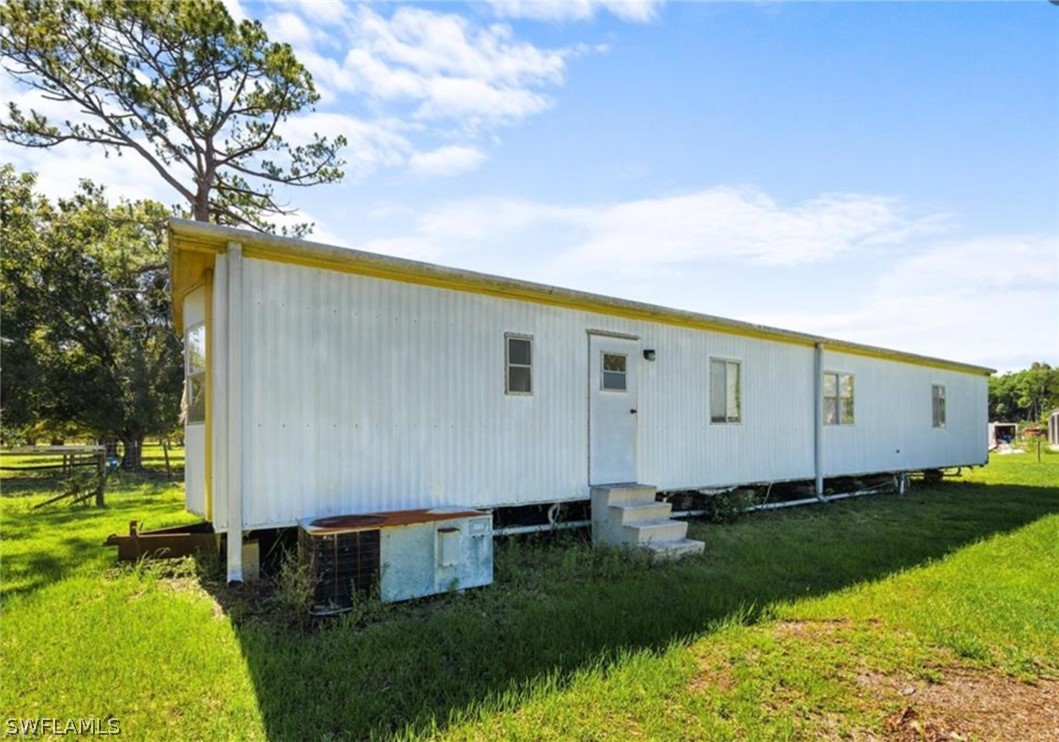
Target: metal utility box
{"type": "Point", "coordinates": [409, 554]}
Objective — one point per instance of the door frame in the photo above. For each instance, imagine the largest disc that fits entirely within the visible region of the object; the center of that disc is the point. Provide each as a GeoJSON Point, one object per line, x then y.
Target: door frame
{"type": "Point", "coordinates": [592, 386]}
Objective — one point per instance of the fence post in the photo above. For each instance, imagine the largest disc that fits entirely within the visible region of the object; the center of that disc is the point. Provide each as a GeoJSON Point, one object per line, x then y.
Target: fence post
{"type": "Point", "coordinates": [101, 470]}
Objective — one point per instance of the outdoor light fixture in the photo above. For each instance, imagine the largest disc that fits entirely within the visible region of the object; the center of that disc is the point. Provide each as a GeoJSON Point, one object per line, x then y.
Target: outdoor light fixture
{"type": "Point", "coordinates": [649, 354]}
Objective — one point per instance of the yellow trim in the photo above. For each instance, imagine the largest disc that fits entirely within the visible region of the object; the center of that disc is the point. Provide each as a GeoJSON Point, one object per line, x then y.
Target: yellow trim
{"type": "Point", "coordinates": [208, 285]}
{"type": "Point", "coordinates": [199, 239]}
{"type": "Point", "coordinates": [504, 293]}
{"type": "Point", "coordinates": [187, 272]}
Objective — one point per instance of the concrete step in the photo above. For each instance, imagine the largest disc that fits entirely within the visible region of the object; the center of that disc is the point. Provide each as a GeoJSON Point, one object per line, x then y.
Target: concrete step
{"type": "Point", "coordinates": [640, 534]}
{"type": "Point", "coordinates": [623, 493]}
{"type": "Point", "coordinates": [628, 513]}
{"type": "Point", "coordinates": [676, 549]}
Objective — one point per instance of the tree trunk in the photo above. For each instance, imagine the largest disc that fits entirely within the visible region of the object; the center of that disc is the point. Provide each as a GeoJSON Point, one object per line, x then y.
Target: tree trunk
{"type": "Point", "coordinates": [132, 457]}
{"type": "Point", "coordinates": [200, 208]}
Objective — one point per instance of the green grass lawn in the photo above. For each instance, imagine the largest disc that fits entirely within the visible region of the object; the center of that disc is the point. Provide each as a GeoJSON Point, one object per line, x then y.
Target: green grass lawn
{"type": "Point", "coordinates": [819, 621]}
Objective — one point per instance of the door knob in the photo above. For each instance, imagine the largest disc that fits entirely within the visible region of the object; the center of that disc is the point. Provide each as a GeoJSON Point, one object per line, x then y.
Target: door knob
{"type": "Point", "coordinates": [632, 412]}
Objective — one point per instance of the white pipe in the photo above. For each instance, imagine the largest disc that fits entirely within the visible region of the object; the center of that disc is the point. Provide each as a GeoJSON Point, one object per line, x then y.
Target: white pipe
{"type": "Point", "coordinates": [687, 513]}
{"type": "Point", "coordinates": [858, 493]}
{"type": "Point", "coordinates": [235, 427]}
{"type": "Point", "coordinates": [540, 528]}
{"type": "Point", "coordinates": [787, 504]}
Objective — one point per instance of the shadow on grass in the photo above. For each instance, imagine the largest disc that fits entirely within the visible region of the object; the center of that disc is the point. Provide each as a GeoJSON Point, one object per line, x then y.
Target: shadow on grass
{"type": "Point", "coordinates": [559, 606]}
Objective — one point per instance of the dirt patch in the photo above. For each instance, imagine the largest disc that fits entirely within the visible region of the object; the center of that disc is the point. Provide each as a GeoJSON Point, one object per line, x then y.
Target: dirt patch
{"type": "Point", "coordinates": [715, 673]}
{"type": "Point", "coordinates": [968, 704]}
{"type": "Point", "coordinates": [809, 628]}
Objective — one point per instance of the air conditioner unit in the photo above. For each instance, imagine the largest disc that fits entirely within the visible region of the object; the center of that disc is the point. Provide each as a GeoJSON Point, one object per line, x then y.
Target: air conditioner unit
{"type": "Point", "coordinates": [409, 554]}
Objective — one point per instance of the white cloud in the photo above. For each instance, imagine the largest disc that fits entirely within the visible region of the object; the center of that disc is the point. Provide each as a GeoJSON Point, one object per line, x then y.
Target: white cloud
{"type": "Point", "coordinates": [637, 11]}
{"type": "Point", "coordinates": [290, 29]}
{"type": "Point", "coordinates": [445, 161]}
{"type": "Point", "coordinates": [235, 9]}
{"type": "Point", "coordinates": [440, 64]}
{"type": "Point", "coordinates": [977, 265]}
{"type": "Point", "coordinates": [478, 103]}
{"type": "Point", "coordinates": [990, 300]}
{"type": "Point", "coordinates": [448, 44]}
{"type": "Point", "coordinates": [857, 267]}
{"type": "Point", "coordinates": [721, 224]}
{"type": "Point", "coordinates": [737, 224]}
{"type": "Point", "coordinates": [59, 169]}
{"type": "Point", "coordinates": [321, 12]}
{"type": "Point", "coordinates": [320, 231]}
{"type": "Point", "coordinates": [371, 144]}
{"type": "Point", "coordinates": [30, 99]}
{"type": "Point", "coordinates": [444, 76]}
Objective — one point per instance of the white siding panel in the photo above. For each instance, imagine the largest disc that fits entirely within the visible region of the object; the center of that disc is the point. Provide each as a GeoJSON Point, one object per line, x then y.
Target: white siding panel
{"type": "Point", "coordinates": [364, 395]}
{"type": "Point", "coordinates": [893, 428]}
{"type": "Point", "coordinates": [682, 449]}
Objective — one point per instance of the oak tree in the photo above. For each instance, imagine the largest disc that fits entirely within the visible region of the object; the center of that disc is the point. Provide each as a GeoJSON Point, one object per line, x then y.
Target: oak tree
{"type": "Point", "coordinates": [90, 342]}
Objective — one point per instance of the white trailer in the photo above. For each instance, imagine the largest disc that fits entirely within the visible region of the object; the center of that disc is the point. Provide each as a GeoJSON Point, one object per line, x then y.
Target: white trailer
{"type": "Point", "coordinates": [326, 381]}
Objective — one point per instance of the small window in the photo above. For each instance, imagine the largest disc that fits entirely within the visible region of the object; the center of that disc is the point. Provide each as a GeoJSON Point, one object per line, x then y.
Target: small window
{"type": "Point", "coordinates": [195, 373]}
{"type": "Point", "coordinates": [725, 391]}
{"type": "Point", "coordinates": [614, 372]}
{"type": "Point", "coordinates": [838, 398]}
{"type": "Point", "coordinates": [938, 404]}
{"type": "Point", "coordinates": [519, 361]}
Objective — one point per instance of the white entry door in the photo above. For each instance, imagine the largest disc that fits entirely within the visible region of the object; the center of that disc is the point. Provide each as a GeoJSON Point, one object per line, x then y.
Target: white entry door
{"type": "Point", "coordinates": [612, 409]}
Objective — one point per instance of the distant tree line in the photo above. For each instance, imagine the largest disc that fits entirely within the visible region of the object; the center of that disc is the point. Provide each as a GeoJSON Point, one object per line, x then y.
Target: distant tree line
{"type": "Point", "coordinates": [1024, 396]}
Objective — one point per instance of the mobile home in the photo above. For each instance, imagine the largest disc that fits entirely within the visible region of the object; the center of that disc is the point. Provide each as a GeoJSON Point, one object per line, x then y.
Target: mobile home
{"type": "Point", "coordinates": [324, 381]}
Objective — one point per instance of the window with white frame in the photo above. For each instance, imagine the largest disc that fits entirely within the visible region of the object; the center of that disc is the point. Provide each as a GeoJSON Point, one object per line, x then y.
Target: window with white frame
{"type": "Point", "coordinates": [937, 396]}
{"type": "Point", "coordinates": [195, 373]}
{"type": "Point", "coordinates": [726, 403]}
{"type": "Point", "coordinates": [614, 372]}
{"type": "Point", "coordinates": [518, 360]}
{"type": "Point", "coordinates": [838, 398]}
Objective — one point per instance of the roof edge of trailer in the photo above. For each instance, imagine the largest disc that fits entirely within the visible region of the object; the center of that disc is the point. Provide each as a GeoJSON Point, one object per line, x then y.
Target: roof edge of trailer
{"type": "Point", "coordinates": [192, 245]}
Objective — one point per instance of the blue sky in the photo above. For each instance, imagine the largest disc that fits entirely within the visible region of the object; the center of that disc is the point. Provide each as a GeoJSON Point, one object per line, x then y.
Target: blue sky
{"type": "Point", "coordinates": [881, 172]}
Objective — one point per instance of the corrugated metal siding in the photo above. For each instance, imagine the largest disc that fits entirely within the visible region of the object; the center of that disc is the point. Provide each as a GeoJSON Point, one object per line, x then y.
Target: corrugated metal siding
{"type": "Point", "coordinates": [680, 448]}
{"type": "Point", "coordinates": [893, 427]}
{"type": "Point", "coordinates": [364, 395]}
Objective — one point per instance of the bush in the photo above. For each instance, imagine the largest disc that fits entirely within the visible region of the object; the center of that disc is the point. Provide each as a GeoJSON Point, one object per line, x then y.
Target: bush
{"type": "Point", "coordinates": [294, 586]}
{"type": "Point", "coordinates": [726, 507]}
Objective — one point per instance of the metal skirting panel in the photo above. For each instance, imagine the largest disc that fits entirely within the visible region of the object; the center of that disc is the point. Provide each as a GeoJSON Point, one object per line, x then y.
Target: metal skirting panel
{"type": "Point", "coordinates": [362, 395]}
